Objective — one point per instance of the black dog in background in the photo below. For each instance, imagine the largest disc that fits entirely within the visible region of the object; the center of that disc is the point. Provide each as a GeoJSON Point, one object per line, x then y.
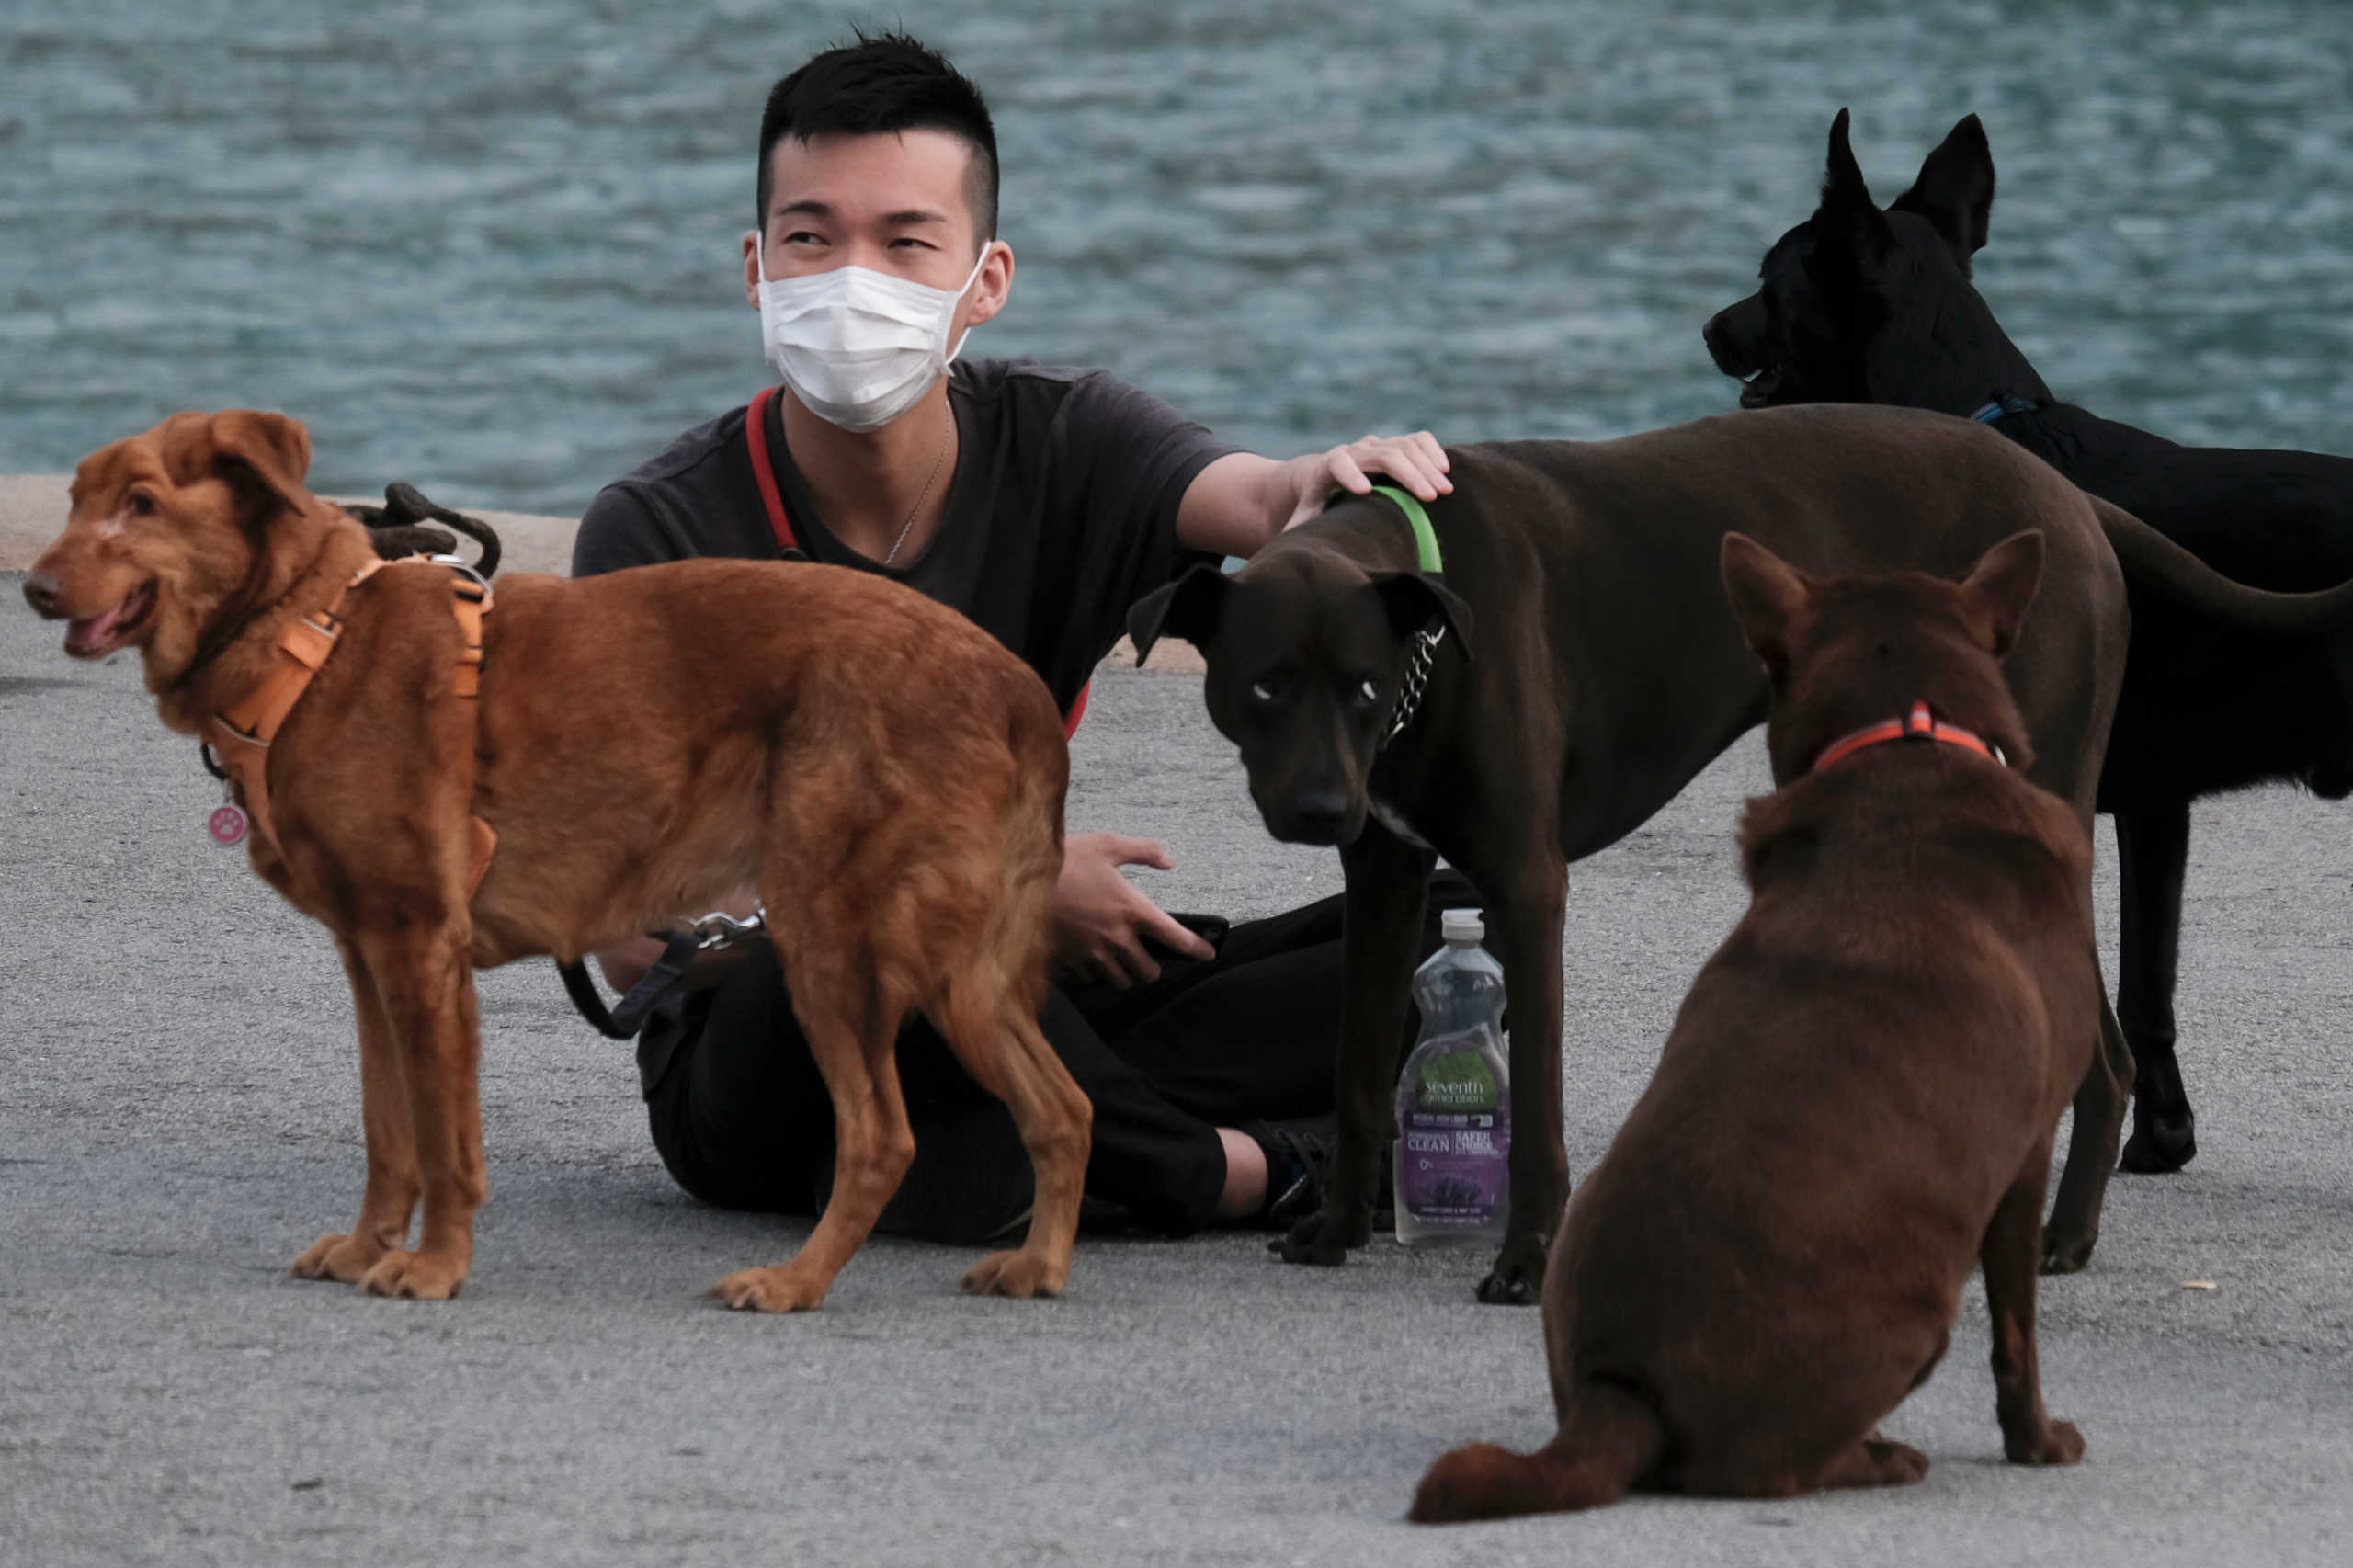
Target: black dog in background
{"type": "Point", "coordinates": [1861, 306]}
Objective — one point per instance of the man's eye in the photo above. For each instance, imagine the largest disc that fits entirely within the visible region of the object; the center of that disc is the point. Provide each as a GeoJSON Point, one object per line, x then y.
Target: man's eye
{"type": "Point", "coordinates": [802, 237]}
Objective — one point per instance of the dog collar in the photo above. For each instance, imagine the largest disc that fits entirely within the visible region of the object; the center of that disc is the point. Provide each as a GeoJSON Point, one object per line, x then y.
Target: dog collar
{"type": "Point", "coordinates": [1916, 725]}
{"type": "Point", "coordinates": [2004, 405]}
{"type": "Point", "coordinates": [1426, 553]}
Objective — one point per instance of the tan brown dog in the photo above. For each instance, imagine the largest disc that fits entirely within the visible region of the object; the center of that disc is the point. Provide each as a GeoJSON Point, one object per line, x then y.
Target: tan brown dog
{"type": "Point", "coordinates": [1858, 1096]}
{"type": "Point", "coordinates": [643, 743]}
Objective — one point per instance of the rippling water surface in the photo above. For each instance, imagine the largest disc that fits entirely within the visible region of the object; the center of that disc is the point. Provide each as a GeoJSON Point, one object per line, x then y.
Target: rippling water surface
{"type": "Point", "coordinates": [490, 247]}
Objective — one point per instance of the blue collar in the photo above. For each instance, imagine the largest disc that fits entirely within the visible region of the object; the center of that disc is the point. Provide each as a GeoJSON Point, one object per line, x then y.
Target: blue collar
{"type": "Point", "coordinates": [2004, 405]}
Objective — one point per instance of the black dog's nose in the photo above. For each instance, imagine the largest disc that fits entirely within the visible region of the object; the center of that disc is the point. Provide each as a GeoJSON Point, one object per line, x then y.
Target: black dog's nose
{"type": "Point", "coordinates": [41, 589]}
{"type": "Point", "coordinates": [1319, 818]}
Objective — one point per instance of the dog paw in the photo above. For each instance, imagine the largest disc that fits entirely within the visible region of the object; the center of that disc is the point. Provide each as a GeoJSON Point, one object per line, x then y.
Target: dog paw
{"type": "Point", "coordinates": [2065, 1254]}
{"type": "Point", "coordinates": [777, 1288]}
{"type": "Point", "coordinates": [414, 1275]}
{"type": "Point", "coordinates": [1895, 1464]}
{"type": "Point", "coordinates": [1017, 1274]}
{"type": "Point", "coordinates": [336, 1256]}
{"type": "Point", "coordinates": [2162, 1146]}
{"type": "Point", "coordinates": [2057, 1442]}
{"type": "Point", "coordinates": [1517, 1278]}
{"type": "Point", "coordinates": [1322, 1241]}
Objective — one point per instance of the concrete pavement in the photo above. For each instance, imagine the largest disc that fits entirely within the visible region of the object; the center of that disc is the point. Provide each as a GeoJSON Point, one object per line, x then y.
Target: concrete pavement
{"type": "Point", "coordinates": [178, 1116]}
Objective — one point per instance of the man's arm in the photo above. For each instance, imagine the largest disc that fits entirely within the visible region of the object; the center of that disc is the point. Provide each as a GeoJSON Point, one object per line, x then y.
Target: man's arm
{"type": "Point", "coordinates": [1237, 504]}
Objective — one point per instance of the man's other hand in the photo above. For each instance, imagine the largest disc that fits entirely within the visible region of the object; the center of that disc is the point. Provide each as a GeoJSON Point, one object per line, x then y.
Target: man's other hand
{"type": "Point", "coordinates": [1101, 921]}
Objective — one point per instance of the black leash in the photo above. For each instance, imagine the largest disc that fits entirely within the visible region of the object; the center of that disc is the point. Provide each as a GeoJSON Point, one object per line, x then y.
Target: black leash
{"type": "Point", "coordinates": [624, 1021]}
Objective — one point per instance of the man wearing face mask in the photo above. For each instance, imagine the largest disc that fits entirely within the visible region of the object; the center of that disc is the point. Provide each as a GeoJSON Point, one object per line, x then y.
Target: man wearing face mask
{"type": "Point", "coordinates": [1040, 502]}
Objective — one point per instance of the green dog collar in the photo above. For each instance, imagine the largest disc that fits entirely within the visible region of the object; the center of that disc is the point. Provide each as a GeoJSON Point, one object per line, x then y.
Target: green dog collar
{"type": "Point", "coordinates": [1425, 537]}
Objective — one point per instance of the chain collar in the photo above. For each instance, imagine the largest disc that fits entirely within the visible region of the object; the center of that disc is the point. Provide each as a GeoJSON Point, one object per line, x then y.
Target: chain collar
{"type": "Point", "coordinates": [1418, 674]}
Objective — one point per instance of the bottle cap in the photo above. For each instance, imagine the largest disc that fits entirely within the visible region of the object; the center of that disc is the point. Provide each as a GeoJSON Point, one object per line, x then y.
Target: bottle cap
{"type": "Point", "coordinates": [1461, 926]}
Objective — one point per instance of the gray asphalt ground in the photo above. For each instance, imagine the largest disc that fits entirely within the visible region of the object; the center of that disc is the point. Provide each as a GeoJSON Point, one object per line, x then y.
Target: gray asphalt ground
{"type": "Point", "coordinates": [179, 1116]}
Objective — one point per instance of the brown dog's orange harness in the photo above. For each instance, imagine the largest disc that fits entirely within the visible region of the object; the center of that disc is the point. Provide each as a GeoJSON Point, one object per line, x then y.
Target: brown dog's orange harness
{"type": "Point", "coordinates": [239, 734]}
{"type": "Point", "coordinates": [1916, 725]}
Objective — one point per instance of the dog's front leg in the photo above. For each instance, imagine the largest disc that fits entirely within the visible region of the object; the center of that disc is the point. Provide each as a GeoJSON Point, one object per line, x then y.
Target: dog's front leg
{"type": "Point", "coordinates": [1527, 904]}
{"type": "Point", "coordinates": [2007, 1256]}
{"type": "Point", "coordinates": [1388, 880]}
{"type": "Point", "coordinates": [2153, 856]}
{"type": "Point", "coordinates": [390, 1200]}
{"type": "Point", "coordinates": [2074, 1228]}
{"type": "Point", "coordinates": [425, 982]}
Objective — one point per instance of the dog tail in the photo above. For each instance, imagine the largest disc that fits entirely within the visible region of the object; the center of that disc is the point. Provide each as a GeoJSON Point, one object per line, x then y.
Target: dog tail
{"type": "Point", "coordinates": [2153, 561]}
{"type": "Point", "coordinates": [1610, 1439]}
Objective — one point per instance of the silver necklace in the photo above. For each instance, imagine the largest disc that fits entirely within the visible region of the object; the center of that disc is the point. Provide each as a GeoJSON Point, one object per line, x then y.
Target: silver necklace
{"type": "Point", "coordinates": [945, 430]}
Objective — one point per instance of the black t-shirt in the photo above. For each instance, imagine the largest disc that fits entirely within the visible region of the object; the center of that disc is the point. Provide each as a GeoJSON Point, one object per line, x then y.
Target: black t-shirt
{"type": "Point", "coordinates": [1062, 511]}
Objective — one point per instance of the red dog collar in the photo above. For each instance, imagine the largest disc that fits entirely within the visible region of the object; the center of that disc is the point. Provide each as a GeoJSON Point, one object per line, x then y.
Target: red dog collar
{"type": "Point", "coordinates": [1917, 725]}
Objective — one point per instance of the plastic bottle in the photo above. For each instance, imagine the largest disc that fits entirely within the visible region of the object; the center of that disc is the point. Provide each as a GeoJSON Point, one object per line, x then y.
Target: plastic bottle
{"type": "Point", "coordinates": [1454, 1098]}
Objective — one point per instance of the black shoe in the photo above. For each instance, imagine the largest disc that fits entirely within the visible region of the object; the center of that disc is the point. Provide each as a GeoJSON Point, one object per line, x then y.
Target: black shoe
{"type": "Point", "coordinates": [1297, 1155]}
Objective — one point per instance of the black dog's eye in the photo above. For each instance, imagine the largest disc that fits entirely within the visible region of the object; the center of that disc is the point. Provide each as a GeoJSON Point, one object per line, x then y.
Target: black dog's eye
{"type": "Point", "coordinates": [1266, 690]}
{"type": "Point", "coordinates": [1368, 692]}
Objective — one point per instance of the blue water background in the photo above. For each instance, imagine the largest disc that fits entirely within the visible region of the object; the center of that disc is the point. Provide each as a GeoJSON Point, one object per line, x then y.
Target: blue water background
{"type": "Point", "coordinates": [492, 247]}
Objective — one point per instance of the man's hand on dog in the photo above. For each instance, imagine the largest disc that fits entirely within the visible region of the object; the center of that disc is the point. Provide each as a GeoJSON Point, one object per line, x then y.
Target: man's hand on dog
{"type": "Point", "coordinates": [1417, 462]}
{"type": "Point", "coordinates": [1101, 921]}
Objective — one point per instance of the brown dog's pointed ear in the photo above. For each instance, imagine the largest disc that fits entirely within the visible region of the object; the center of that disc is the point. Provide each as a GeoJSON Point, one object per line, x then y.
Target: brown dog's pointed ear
{"type": "Point", "coordinates": [1768, 596]}
{"type": "Point", "coordinates": [1955, 191]}
{"type": "Point", "coordinates": [1188, 608]}
{"type": "Point", "coordinates": [264, 455]}
{"type": "Point", "coordinates": [1416, 603]}
{"type": "Point", "coordinates": [2001, 587]}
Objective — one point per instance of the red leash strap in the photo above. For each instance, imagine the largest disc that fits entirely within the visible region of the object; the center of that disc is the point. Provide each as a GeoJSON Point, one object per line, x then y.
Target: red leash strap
{"type": "Point", "coordinates": [755, 433]}
{"type": "Point", "coordinates": [1916, 725]}
{"type": "Point", "coordinates": [755, 436]}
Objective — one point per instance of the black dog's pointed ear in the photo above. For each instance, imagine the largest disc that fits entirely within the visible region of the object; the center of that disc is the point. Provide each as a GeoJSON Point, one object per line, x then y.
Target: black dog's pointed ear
{"type": "Point", "coordinates": [1842, 182]}
{"type": "Point", "coordinates": [1187, 607]}
{"type": "Point", "coordinates": [1768, 597]}
{"type": "Point", "coordinates": [1955, 191]}
{"type": "Point", "coordinates": [1416, 603]}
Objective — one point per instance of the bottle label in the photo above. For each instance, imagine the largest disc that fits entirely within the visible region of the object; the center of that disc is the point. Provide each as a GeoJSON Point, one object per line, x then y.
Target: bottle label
{"type": "Point", "coordinates": [1454, 1168]}
{"type": "Point", "coordinates": [1457, 1081]}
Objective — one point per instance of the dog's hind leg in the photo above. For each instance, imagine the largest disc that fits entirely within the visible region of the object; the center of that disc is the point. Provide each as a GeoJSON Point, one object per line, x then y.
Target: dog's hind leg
{"type": "Point", "coordinates": [873, 1145]}
{"type": "Point", "coordinates": [999, 1043]}
{"type": "Point", "coordinates": [425, 984]}
{"type": "Point", "coordinates": [2153, 854]}
{"type": "Point", "coordinates": [390, 1200]}
{"type": "Point", "coordinates": [1610, 1439]}
{"type": "Point", "coordinates": [1875, 1461]}
{"type": "Point", "coordinates": [2074, 1228]}
{"type": "Point", "coordinates": [2007, 1256]}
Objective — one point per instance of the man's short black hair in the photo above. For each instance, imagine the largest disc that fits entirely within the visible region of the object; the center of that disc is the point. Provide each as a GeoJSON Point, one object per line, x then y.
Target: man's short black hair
{"type": "Point", "coordinates": [883, 84]}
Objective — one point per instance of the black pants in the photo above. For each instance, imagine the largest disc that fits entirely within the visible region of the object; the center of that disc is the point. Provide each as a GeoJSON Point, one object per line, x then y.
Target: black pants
{"type": "Point", "coordinates": [741, 1116]}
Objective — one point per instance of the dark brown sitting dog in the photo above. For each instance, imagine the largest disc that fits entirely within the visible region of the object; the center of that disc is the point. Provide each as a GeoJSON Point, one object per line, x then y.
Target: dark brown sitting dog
{"type": "Point", "coordinates": [890, 777]}
{"type": "Point", "coordinates": [1858, 1096]}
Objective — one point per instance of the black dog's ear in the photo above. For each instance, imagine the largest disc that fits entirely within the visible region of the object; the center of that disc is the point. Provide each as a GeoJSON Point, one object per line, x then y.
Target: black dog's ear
{"type": "Point", "coordinates": [1416, 603]}
{"type": "Point", "coordinates": [2001, 586]}
{"type": "Point", "coordinates": [1955, 191]}
{"type": "Point", "coordinates": [1187, 607]}
{"type": "Point", "coordinates": [1842, 182]}
{"type": "Point", "coordinates": [1768, 597]}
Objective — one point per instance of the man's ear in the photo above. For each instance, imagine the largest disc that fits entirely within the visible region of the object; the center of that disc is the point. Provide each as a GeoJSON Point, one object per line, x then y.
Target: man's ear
{"type": "Point", "coordinates": [2001, 586]}
{"type": "Point", "coordinates": [1416, 603]}
{"type": "Point", "coordinates": [1955, 191]}
{"type": "Point", "coordinates": [1768, 597]}
{"type": "Point", "coordinates": [1188, 608]}
{"type": "Point", "coordinates": [263, 456]}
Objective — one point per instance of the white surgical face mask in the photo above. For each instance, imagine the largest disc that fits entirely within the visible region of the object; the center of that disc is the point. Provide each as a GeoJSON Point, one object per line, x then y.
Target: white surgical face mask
{"type": "Point", "coordinates": [858, 348]}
